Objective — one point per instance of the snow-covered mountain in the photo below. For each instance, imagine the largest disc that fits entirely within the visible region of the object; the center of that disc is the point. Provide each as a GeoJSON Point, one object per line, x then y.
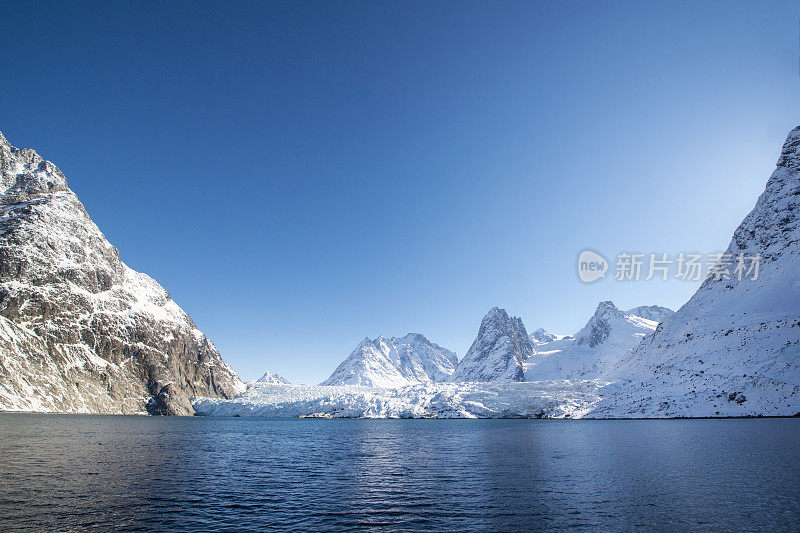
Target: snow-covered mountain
{"type": "Point", "coordinates": [273, 379]}
{"type": "Point", "coordinates": [542, 336]}
{"type": "Point", "coordinates": [79, 330]}
{"type": "Point", "coordinates": [656, 313]}
{"type": "Point", "coordinates": [394, 362]}
{"type": "Point", "coordinates": [734, 348]}
{"type": "Point", "coordinates": [499, 351]}
{"type": "Point", "coordinates": [590, 353]}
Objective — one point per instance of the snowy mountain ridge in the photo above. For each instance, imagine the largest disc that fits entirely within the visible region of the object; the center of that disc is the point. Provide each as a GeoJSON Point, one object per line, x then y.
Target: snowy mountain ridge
{"type": "Point", "coordinates": [273, 379]}
{"type": "Point", "coordinates": [592, 351]}
{"type": "Point", "coordinates": [82, 332]}
{"type": "Point", "coordinates": [542, 336]}
{"type": "Point", "coordinates": [394, 362]}
{"type": "Point", "coordinates": [732, 350]}
{"type": "Point", "coordinates": [656, 313]}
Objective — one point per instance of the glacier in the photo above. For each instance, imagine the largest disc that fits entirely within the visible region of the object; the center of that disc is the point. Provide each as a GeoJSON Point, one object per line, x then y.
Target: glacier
{"type": "Point", "coordinates": [547, 399]}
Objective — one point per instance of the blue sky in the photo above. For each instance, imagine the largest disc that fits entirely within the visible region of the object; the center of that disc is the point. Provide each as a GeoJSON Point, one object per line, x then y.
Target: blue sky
{"type": "Point", "coordinates": [300, 175]}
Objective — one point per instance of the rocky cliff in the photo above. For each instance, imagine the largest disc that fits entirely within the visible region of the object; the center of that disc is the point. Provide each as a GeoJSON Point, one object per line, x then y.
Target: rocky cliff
{"type": "Point", "coordinates": [79, 330]}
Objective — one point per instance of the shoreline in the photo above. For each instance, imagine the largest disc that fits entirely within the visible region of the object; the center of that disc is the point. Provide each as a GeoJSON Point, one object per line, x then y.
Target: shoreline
{"type": "Point", "coordinates": [311, 417]}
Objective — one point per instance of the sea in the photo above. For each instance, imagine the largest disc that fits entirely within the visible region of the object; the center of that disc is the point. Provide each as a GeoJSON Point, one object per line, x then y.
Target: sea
{"type": "Point", "coordinates": [138, 473]}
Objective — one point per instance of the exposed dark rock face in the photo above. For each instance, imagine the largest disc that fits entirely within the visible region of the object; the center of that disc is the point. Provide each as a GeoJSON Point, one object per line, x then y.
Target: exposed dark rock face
{"type": "Point", "coordinates": [170, 400]}
{"type": "Point", "coordinates": [79, 330]}
{"type": "Point", "coordinates": [599, 327]}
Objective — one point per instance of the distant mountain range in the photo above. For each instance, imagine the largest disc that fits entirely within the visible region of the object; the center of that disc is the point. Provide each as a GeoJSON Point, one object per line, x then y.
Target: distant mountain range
{"type": "Point", "coordinates": [732, 350]}
{"type": "Point", "coordinates": [82, 332]}
{"type": "Point", "coordinates": [502, 352]}
{"type": "Point", "coordinates": [273, 378]}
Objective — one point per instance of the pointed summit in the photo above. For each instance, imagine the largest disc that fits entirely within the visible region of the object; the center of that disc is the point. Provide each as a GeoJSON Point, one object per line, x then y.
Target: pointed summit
{"type": "Point", "coordinates": [608, 335]}
{"type": "Point", "coordinates": [25, 175]}
{"type": "Point", "coordinates": [790, 153]}
{"type": "Point", "coordinates": [599, 326]}
{"type": "Point", "coordinates": [394, 362]}
{"type": "Point", "coordinates": [499, 351]}
{"type": "Point", "coordinates": [273, 379]}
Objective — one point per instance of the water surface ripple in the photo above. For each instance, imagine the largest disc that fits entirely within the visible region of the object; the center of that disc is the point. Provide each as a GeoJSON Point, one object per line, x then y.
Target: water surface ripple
{"type": "Point", "coordinates": [78, 472]}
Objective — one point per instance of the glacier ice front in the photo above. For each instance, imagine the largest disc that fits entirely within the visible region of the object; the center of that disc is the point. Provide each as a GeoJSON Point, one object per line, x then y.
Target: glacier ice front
{"type": "Point", "coordinates": [545, 399]}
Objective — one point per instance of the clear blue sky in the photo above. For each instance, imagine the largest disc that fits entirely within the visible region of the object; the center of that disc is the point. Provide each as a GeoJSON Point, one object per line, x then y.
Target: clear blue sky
{"type": "Point", "coordinates": [301, 175]}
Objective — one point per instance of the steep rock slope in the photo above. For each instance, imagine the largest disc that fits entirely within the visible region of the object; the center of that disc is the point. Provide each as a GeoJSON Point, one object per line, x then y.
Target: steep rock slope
{"type": "Point", "coordinates": [499, 351]}
{"type": "Point", "coordinates": [394, 362]}
{"type": "Point", "coordinates": [594, 350]}
{"type": "Point", "coordinates": [734, 348]}
{"type": "Point", "coordinates": [79, 330]}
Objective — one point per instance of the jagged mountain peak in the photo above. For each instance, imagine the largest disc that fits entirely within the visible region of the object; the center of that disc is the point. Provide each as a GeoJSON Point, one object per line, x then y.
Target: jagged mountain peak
{"type": "Point", "coordinates": [26, 176]}
{"type": "Point", "coordinates": [601, 324]}
{"type": "Point", "coordinates": [607, 336]}
{"type": "Point", "coordinates": [273, 378]}
{"type": "Point", "coordinates": [790, 152]}
{"type": "Point", "coordinates": [542, 336]}
{"type": "Point", "coordinates": [494, 314]}
{"type": "Point", "coordinates": [394, 362]}
{"type": "Point", "coordinates": [414, 337]}
{"type": "Point", "coordinates": [607, 309]}
{"type": "Point", "coordinates": [499, 318]}
{"type": "Point", "coordinates": [498, 352]}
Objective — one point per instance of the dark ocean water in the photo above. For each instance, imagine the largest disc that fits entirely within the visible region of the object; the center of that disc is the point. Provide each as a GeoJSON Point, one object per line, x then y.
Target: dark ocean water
{"type": "Point", "coordinates": [65, 472]}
